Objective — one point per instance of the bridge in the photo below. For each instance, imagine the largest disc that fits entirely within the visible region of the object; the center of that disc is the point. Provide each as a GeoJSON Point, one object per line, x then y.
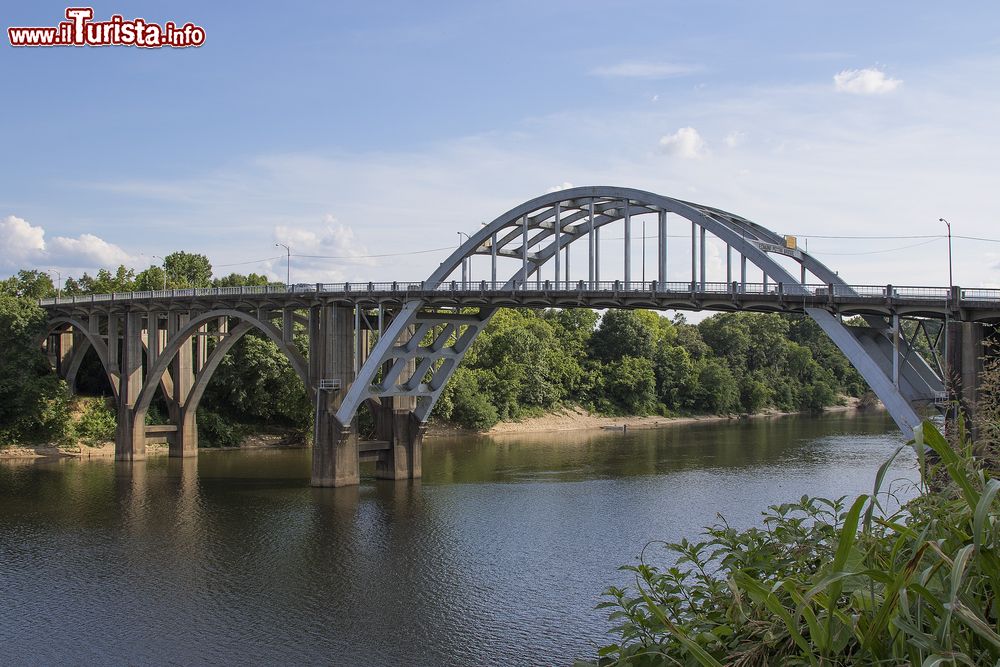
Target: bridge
{"type": "Point", "coordinates": [391, 346]}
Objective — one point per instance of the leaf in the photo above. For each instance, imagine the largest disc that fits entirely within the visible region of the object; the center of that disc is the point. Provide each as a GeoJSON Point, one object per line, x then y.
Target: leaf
{"type": "Point", "coordinates": [700, 654]}
{"type": "Point", "coordinates": [978, 625]}
{"type": "Point", "coordinates": [982, 512]}
{"type": "Point", "coordinates": [936, 441]}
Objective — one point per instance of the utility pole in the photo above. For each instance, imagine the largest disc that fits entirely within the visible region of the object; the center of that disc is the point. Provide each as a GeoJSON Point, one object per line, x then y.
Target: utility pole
{"type": "Point", "coordinates": [288, 264]}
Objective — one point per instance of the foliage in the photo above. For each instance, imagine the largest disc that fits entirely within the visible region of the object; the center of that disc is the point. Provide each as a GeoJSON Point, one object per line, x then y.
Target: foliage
{"type": "Point", "coordinates": [96, 423]}
{"type": "Point", "coordinates": [825, 584]}
{"type": "Point", "coordinates": [33, 401]}
{"type": "Point", "coordinates": [254, 383]}
{"type": "Point", "coordinates": [214, 430]}
{"type": "Point", "coordinates": [638, 362]}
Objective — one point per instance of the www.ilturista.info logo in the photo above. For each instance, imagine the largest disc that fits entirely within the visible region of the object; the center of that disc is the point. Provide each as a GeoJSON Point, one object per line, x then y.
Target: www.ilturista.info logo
{"type": "Point", "coordinates": [81, 30]}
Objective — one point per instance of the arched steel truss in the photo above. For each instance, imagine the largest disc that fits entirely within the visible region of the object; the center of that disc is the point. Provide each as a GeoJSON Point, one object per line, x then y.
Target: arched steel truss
{"type": "Point", "coordinates": [420, 349]}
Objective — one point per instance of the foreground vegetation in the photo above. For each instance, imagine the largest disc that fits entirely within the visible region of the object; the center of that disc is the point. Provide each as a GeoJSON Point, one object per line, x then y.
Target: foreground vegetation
{"type": "Point", "coordinates": [525, 363]}
{"type": "Point", "coordinates": [821, 583]}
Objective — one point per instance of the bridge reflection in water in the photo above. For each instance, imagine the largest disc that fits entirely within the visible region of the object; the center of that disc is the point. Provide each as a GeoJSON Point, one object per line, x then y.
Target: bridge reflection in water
{"type": "Point", "coordinates": [391, 346]}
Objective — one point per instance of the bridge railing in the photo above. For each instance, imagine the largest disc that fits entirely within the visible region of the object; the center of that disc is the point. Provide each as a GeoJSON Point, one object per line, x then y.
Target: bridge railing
{"type": "Point", "coordinates": [940, 295]}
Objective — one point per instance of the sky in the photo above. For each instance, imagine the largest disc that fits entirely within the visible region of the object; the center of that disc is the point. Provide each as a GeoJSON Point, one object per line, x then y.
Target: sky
{"type": "Point", "coordinates": [374, 132]}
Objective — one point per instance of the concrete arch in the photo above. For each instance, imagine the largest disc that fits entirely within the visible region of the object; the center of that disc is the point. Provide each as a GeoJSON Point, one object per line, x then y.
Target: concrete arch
{"type": "Point", "coordinates": [92, 340]}
{"type": "Point", "coordinates": [174, 345]}
{"type": "Point", "coordinates": [554, 221]}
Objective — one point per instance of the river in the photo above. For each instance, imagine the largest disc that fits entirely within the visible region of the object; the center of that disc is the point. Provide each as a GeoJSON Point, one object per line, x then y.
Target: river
{"type": "Point", "coordinates": [497, 556]}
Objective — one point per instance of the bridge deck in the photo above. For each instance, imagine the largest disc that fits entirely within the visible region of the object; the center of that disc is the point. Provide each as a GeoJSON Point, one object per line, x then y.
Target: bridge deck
{"type": "Point", "coordinates": [964, 304]}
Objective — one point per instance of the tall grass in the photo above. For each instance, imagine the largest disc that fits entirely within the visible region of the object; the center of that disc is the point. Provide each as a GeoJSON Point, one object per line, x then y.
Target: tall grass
{"type": "Point", "coordinates": [823, 583]}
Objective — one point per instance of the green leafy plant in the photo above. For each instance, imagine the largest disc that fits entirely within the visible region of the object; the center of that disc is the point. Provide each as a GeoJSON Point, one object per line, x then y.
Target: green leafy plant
{"type": "Point", "coordinates": [822, 583]}
{"type": "Point", "coordinates": [96, 424]}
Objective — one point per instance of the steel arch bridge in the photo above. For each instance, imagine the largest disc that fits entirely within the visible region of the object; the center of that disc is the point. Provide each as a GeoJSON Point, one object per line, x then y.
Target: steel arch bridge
{"type": "Point", "coordinates": [546, 252]}
{"type": "Point", "coordinates": [541, 232]}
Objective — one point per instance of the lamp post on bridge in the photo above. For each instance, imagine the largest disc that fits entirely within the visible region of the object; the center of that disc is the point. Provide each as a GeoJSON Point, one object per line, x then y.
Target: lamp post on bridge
{"type": "Point", "coordinates": [288, 263]}
{"type": "Point", "coordinates": [951, 282]}
{"type": "Point", "coordinates": [58, 282]}
{"type": "Point", "coordinates": [947, 313]}
{"type": "Point", "coordinates": [466, 264]}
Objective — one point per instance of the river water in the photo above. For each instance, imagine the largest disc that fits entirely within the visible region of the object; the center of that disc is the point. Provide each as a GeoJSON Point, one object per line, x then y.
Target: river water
{"type": "Point", "coordinates": [497, 556]}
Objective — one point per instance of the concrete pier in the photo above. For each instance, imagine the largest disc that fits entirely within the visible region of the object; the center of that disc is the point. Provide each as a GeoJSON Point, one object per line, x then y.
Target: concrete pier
{"type": "Point", "coordinates": [964, 369]}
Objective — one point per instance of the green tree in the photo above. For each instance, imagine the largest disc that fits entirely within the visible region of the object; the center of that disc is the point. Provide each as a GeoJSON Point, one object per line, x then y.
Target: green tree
{"type": "Point", "coordinates": [33, 401]}
{"type": "Point", "coordinates": [185, 269]}
{"type": "Point", "coordinates": [717, 391]}
{"type": "Point", "coordinates": [675, 376]}
{"type": "Point", "coordinates": [630, 385]}
{"type": "Point", "coordinates": [623, 333]}
{"type": "Point", "coordinates": [240, 280]}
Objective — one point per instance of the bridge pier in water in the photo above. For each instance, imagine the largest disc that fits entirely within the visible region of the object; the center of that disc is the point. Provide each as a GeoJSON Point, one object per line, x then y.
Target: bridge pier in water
{"type": "Point", "coordinates": [965, 362]}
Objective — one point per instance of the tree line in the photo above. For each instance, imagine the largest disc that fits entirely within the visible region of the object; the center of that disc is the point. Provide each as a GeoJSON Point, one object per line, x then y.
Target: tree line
{"type": "Point", "coordinates": [526, 362]}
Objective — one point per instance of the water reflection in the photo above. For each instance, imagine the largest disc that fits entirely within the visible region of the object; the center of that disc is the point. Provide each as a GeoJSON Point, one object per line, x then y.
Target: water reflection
{"type": "Point", "coordinates": [497, 555]}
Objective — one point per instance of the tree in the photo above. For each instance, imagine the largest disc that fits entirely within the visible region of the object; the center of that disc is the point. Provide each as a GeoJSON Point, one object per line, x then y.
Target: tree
{"type": "Point", "coordinates": [717, 390]}
{"type": "Point", "coordinates": [623, 333]}
{"type": "Point", "coordinates": [185, 269]}
{"type": "Point", "coordinates": [675, 376]}
{"type": "Point", "coordinates": [240, 280]}
{"type": "Point", "coordinates": [33, 401]}
{"type": "Point", "coordinates": [630, 385]}
{"type": "Point", "coordinates": [32, 285]}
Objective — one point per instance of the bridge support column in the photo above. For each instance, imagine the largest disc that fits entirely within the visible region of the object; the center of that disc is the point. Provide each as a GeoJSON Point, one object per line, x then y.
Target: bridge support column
{"type": "Point", "coordinates": [403, 459]}
{"type": "Point", "coordinates": [185, 442]}
{"type": "Point", "coordinates": [331, 349]}
{"type": "Point", "coordinates": [130, 437]}
{"type": "Point", "coordinates": [964, 368]}
{"type": "Point", "coordinates": [65, 353]}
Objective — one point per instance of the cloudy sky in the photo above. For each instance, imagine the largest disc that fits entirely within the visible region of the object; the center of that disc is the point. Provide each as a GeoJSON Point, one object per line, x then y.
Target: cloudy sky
{"type": "Point", "coordinates": [351, 130]}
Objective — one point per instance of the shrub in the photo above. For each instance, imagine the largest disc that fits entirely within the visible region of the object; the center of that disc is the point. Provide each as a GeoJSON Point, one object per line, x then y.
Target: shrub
{"type": "Point", "coordinates": [97, 423]}
{"type": "Point", "coordinates": [217, 431]}
{"type": "Point", "coordinates": [822, 584]}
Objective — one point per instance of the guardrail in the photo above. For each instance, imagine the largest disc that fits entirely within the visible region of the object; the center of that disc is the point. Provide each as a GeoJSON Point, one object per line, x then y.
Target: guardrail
{"type": "Point", "coordinates": [942, 295]}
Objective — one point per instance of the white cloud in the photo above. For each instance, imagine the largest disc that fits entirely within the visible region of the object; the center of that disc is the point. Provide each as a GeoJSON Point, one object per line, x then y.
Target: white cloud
{"type": "Point", "coordinates": [565, 186]}
{"type": "Point", "coordinates": [22, 242]}
{"type": "Point", "coordinates": [735, 138]}
{"type": "Point", "coordinates": [684, 143]}
{"type": "Point", "coordinates": [869, 81]}
{"type": "Point", "coordinates": [321, 255]}
{"type": "Point", "coordinates": [86, 250]}
{"type": "Point", "coordinates": [25, 247]}
{"type": "Point", "coordinates": [645, 70]}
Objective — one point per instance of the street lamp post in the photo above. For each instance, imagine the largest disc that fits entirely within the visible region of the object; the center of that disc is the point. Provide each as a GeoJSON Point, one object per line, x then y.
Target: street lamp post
{"type": "Point", "coordinates": [288, 263]}
{"type": "Point", "coordinates": [951, 282]}
{"type": "Point", "coordinates": [58, 282]}
{"type": "Point", "coordinates": [466, 264]}
{"type": "Point", "coordinates": [164, 270]}
{"type": "Point", "coordinates": [947, 314]}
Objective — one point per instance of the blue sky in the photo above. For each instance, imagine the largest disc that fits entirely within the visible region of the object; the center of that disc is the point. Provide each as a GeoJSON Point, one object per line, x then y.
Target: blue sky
{"type": "Point", "coordinates": [353, 129]}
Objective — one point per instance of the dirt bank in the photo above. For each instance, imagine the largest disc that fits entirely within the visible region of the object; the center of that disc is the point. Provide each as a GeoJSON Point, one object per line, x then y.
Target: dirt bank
{"type": "Point", "coordinates": [578, 419]}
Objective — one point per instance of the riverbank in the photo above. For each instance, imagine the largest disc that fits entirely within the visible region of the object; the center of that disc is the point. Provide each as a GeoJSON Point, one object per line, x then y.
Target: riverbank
{"type": "Point", "coordinates": [576, 418]}
{"type": "Point", "coordinates": [106, 450]}
{"type": "Point", "coordinates": [573, 418]}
